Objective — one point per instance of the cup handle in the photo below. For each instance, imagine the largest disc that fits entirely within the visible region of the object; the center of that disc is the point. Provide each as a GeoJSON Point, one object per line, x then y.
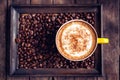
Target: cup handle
{"type": "Point", "coordinates": [102, 40]}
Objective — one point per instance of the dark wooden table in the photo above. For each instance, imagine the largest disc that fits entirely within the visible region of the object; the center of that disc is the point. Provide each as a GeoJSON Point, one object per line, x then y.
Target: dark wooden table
{"type": "Point", "coordinates": [110, 30]}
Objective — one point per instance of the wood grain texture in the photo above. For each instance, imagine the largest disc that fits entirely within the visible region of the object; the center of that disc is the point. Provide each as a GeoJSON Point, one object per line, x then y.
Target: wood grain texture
{"type": "Point", "coordinates": [86, 1]}
{"type": "Point", "coordinates": [85, 78]}
{"type": "Point", "coordinates": [64, 78]}
{"type": "Point", "coordinates": [2, 39]}
{"type": "Point", "coordinates": [91, 78]}
{"type": "Point", "coordinates": [119, 66]}
{"type": "Point", "coordinates": [40, 78]}
{"type": "Point", "coordinates": [60, 78]}
{"type": "Point", "coordinates": [41, 1]}
{"type": "Point", "coordinates": [109, 77]}
{"type": "Point", "coordinates": [119, 29]}
{"type": "Point", "coordinates": [80, 78]}
{"type": "Point", "coordinates": [21, 1]}
{"type": "Point", "coordinates": [70, 78]}
{"type": "Point", "coordinates": [102, 78]}
{"type": "Point", "coordinates": [18, 78]}
{"type": "Point", "coordinates": [110, 30]}
{"type": "Point", "coordinates": [64, 2]}
{"type": "Point", "coordinates": [119, 38]}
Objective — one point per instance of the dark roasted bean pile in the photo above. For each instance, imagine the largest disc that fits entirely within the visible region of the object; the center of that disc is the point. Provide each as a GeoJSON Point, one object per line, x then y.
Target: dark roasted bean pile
{"type": "Point", "coordinates": [36, 41]}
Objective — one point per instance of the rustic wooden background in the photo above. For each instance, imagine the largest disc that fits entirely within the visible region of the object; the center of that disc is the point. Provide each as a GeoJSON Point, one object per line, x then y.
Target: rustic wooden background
{"type": "Point", "coordinates": [110, 29]}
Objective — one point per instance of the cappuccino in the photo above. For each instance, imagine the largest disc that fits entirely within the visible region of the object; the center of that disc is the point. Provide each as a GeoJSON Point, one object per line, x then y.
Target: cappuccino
{"type": "Point", "coordinates": [76, 40]}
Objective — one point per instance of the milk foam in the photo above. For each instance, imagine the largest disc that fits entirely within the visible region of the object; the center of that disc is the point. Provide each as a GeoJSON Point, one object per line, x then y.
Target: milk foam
{"type": "Point", "coordinates": [79, 34]}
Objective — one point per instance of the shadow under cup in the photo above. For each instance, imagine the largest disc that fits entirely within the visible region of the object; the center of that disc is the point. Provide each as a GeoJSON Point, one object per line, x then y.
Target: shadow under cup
{"type": "Point", "coordinates": [76, 40]}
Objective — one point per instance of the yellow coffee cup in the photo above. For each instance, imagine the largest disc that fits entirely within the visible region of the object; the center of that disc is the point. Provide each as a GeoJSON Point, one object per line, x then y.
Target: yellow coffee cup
{"type": "Point", "coordinates": [76, 40]}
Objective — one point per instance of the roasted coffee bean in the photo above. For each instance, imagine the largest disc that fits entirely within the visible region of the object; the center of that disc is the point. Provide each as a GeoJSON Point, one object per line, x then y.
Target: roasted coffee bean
{"type": "Point", "coordinates": [41, 65]}
{"type": "Point", "coordinates": [17, 40]}
{"type": "Point", "coordinates": [36, 40]}
{"type": "Point", "coordinates": [88, 16]}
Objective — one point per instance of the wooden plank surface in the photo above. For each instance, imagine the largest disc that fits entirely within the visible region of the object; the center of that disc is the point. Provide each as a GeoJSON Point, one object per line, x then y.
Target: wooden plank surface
{"type": "Point", "coordinates": [91, 78]}
{"type": "Point", "coordinates": [119, 64]}
{"type": "Point", "coordinates": [85, 78]}
{"type": "Point", "coordinates": [86, 1]}
{"type": "Point", "coordinates": [21, 1]}
{"type": "Point", "coordinates": [17, 78]}
{"type": "Point", "coordinates": [64, 78]}
{"type": "Point", "coordinates": [41, 1]}
{"type": "Point", "coordinates": [110, 30]}
{"type": "Point", "coordinates": [64, 2]}
{"type": "Point", "coordinates": [40, 78]}
{"type": "Point", "coordinates": [102, 78]}
{"type": "Point", "coordinates": [110, 26]}
{"type": "Point", "coordinates": [80, 78]}
{"type": "Point", "coordinates": [119, 30]}
{"type": "Point", "coordinates": [2, 39]}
